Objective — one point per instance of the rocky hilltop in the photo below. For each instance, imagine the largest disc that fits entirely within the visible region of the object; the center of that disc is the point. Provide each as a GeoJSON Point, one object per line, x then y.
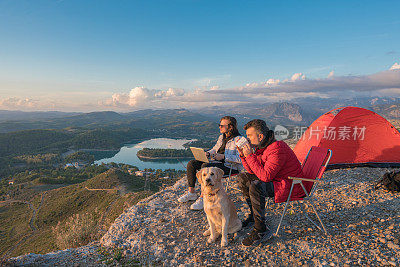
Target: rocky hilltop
{"type": "Point", "coordinates": [363, 227]}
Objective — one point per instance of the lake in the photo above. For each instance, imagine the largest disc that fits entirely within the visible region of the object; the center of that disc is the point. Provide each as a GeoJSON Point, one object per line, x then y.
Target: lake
{"type": "Point", "coordinates": [127, 154]}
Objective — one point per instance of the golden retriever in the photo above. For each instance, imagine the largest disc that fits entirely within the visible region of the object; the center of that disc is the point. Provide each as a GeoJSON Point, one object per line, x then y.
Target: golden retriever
{"type": "Point", "coordinates": [219, 208]}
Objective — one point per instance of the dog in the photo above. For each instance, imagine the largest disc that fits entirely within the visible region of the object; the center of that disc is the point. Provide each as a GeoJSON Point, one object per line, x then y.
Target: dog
{"type": "Point", "coordinates": [219, 208]}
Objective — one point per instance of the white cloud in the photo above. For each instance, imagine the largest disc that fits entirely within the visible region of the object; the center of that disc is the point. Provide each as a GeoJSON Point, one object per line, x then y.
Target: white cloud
{"type": "Point", "coordinates": [387, 82]}
{"type": "Point", "coordinates": [66, 102]}
{"type": "Point", "coordinates": [273, 81]}
{"type": "Point", "coordinates": [396, 66]}
{"type": "Point", "coordinates": [297, 77]}
{"type": "Point", "coordinates": [270, 90]}
{"type": "Point", "coordinates": [363, 83]}
{"type": "Point", "coordinates": [14, 103]}
{"type": "Point", "coordinates": [211, 81]}
{"type": "Point", "coordinates": [142, 97]}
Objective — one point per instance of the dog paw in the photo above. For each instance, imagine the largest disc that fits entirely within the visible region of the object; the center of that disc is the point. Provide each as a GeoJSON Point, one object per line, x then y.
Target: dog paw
{"type": "Point", "coordinates": [224, 243]}
{"type": "Point", "coordinates": [211, 239]}
{"type": "Point", "coordinates": [207, 232]}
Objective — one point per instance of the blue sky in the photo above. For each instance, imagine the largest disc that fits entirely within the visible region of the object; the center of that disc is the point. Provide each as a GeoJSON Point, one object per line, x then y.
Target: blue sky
{"type": "Point", "coordinates": [123, 55]}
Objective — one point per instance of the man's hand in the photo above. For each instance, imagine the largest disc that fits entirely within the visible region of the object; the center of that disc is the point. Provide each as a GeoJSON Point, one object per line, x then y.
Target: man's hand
{"type": "Point", "coordinates": [240, 151]}
{"type": "Point", "coordinates": [219, 157]}
{"type": "Point", "coordinates": [247, 150]}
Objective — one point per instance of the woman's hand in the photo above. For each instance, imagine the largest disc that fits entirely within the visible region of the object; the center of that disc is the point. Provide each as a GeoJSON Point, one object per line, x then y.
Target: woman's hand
{"type": "Point", "coordinates": [219, 157]}
{"type": "Point", "coordinates": [247, 150]}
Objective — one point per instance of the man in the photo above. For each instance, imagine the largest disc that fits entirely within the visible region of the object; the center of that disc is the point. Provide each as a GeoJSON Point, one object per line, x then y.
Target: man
{"type": "Point", "coordinates": [223, 152]}
{"type": "Point", "coordinates": [268, 163]}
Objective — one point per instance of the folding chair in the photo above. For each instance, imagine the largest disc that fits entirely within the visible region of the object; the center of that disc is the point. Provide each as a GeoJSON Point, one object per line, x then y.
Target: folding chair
{"type": "Point", "coordinates": [313, 167]}
{"type": "Point", "coordinates": [228, 182]}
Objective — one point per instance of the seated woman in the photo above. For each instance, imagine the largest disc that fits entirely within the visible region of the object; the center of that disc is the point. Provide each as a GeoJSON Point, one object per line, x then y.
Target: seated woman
{"type": "Point", "coordinates": [224, 152]}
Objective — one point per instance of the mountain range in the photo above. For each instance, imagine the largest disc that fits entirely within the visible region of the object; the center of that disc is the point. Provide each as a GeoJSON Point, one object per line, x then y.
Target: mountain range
{"type": "Point", "coordinates": [301, 111]}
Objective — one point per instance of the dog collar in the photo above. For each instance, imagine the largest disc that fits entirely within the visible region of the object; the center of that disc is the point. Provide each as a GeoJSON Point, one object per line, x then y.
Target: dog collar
{"type": "Point", "coordinates": [211, 194]}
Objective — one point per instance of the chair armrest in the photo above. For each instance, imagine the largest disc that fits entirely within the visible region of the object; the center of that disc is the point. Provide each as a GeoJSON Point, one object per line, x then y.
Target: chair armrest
{"type": "Point", "coordinates": [303, 179]}
{"type": "Point", "coordinates": [232, 163]}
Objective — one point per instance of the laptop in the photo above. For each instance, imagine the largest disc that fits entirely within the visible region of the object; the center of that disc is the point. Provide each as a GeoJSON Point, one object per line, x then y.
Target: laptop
{"type": "Point", "coordinates": [199, 154]}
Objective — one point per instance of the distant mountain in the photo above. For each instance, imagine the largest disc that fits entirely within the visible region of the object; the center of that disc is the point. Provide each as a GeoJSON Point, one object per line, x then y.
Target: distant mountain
{"type": "Point", "coordinates": [283, 113]}
{"type": "Point", "coordinates": [321, 105]}
{"type": "Point", "coordinates": [389, 111]}
{"type": "Point", "coordinates": [276, 113]}
{"type": "Point", "coordinates": [184, 122]}
{"type": "Point", "coordinates": [302, 111]}
{"type": "Point", "coordinates": [92, 119]}
{"type": "Point", "coordinates": [165, 117]}
{"type": "Point", "coordinates": [175, 123]}
{"type": "Point", "coordinates": [10, 115]}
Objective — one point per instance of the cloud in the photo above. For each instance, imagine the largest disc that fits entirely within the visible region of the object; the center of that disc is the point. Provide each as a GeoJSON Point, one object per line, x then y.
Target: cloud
{"type": "Point", "coordinates": [298, 77]}
{"type": "Point", "coordinates": [298, 83]}
{"type": "Point", "coordinates": [271, 90]}
{"type": "Point", "coordinates": [396, 66]}
{"type": "Point", "coordinates": [211, 81]}
{"type": "Point", "coordinates": [14, 103]}
{"type": "Point", "coordinates": [386, 82]}
{"type": "Point", "coordinates": [71, 101]}
{"type": "Point", "coordinates": [272, 82]}
{"type": "Point", "coordinates": [142, 97]}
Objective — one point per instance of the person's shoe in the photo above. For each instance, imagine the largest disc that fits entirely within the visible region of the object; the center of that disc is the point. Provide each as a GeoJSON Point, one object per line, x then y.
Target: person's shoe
{"type": "Point", "coordinates": [187, 197]}
{"type": "Point", "coordinates": [248, 221]}
{"type": "Point", "coordinates": [198, 205]}
{"type": "Point", "coordinates": [255, 237]}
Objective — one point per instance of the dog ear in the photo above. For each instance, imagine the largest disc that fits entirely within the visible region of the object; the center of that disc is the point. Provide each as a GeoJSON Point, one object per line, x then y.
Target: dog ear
{"type": "Point", "coordinates": [220, 172]}
{"type": "Point", "coordinates": [199, 178]}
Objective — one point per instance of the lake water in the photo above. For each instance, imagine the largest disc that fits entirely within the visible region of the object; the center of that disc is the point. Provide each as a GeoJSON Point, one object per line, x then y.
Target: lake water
{"type": "Point", "coordinates": [127, 155]}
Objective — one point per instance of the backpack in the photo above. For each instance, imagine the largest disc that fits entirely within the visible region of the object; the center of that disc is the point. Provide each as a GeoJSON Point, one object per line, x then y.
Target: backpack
{"type": "Point", "coordinates": [390, 181]}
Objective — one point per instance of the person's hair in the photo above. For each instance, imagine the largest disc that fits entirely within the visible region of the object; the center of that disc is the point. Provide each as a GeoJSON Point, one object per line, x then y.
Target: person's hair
{"type": "Point", "coordinates": [232, 122]}
{"type": "Point", "coordinates": [259, 125]}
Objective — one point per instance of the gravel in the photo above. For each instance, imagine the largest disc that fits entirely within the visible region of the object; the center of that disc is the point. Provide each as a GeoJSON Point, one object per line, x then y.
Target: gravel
{"type": "Point", "coordinates": [362, 224]}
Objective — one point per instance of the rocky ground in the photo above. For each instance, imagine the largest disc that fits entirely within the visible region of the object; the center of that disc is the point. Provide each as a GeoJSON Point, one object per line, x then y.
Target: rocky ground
{"type": "Point", "coordinates": [363, 229]}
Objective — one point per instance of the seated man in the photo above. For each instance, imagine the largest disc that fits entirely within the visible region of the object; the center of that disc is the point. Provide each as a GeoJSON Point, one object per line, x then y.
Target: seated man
{"type": "Point", "coordinates": [268, 163]}
{"type": "Point", "coordinates": [223, 152]}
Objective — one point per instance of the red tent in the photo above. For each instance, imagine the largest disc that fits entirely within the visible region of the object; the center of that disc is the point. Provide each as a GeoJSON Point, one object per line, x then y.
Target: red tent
{"type": "Point", "coordinates": [356, 136]}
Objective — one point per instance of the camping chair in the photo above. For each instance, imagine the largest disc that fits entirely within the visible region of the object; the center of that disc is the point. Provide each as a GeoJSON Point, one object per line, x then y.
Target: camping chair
{"type": "Point", "coordinates": [228, 182]}
{"type": "Point", "coordinates": [313, 168]}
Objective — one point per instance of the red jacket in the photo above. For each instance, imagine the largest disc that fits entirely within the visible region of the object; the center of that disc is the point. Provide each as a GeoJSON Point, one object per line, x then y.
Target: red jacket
{"type": "Point", "coordinates": [275, 163]}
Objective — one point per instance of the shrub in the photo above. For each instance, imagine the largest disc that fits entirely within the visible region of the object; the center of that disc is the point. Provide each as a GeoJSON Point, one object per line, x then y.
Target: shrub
{"type": "Point", "coordinates": [78, 230]}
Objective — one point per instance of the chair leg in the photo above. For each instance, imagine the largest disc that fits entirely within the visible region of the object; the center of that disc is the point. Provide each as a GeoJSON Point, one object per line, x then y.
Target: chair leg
{"type": "Point", "coordinates": [308, 218]}
{"type": "Point", "coordinates": [312, 205]}
{"type": "Point", "coordinates": [228, 185]}
{"type": "Point", "coordinates": [284, 210]}
{"type": "Point", "coordinates": [228, 178]}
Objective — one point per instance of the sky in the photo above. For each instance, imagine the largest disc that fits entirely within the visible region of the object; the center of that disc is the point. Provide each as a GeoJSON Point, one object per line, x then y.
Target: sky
{"type": "Point", "coordinates": [129, 55]}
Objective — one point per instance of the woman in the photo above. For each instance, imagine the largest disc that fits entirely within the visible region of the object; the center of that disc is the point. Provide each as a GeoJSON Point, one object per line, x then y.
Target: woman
{"type": "Point", "coordinates": [224, 153]}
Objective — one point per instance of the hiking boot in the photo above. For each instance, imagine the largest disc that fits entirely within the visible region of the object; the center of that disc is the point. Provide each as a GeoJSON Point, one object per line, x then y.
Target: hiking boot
{"type": "Point", "coordinates": [255, 237]}
{"type": "Point", "coordinates": [248, 221]}
{"type": "Point", "coordinates": [187, 197]}
{"type": "Point", "coordinates": [198, 205]}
